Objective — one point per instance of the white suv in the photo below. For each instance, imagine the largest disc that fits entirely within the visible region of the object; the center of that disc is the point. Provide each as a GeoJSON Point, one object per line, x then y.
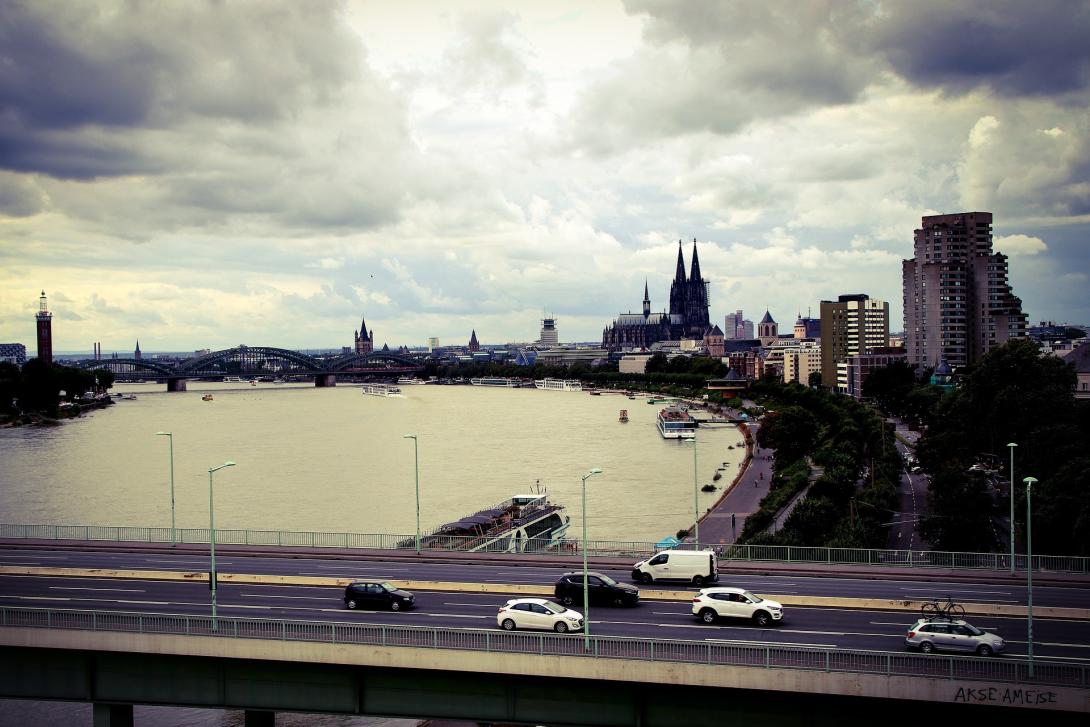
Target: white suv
{"type": "Point", "coordinates": [713, 603]}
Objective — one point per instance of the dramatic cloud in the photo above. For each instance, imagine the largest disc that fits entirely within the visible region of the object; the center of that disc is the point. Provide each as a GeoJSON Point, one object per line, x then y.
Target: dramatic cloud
{"type": "Point", "coordinates": [1019, 245]}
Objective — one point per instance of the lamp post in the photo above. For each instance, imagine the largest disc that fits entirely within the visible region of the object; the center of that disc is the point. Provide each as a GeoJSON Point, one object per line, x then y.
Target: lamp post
{"type": "Point", "coordinates": [586, 591]}
{"type": "Point", "coordinates": [1011, 446]}
{"type": "Point", "coordinates": [416, 459]}
{"type": "Point", "coordinates": [212, 537]}
{"type": "Point", "coordinates": [1030, 482]}
{"type": "Point", "coordinates": [173, 531]}
{"type": "Point", "coordinates": [696, 505]}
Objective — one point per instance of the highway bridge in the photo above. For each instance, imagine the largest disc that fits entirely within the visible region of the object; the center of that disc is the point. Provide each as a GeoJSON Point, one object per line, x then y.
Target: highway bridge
{"type": "Point", "coordinates": [123, 622]}
{"type": "Point", "coordinates": [256, 361]}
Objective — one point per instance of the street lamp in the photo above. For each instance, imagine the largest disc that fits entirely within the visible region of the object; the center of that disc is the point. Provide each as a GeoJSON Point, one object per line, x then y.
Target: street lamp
{"type": "Point", "coordinates": [1011, 446]}
{"type": "Point", "coordinates": [212, 537]}
{"type": "Point", "coordinates": [416, 458]}
{"type": "Point", "coordinates": [586, 591]}
{"type": "Point", "coordinates": [1030, 482]}
{"type": "Point", "coordinates": [696, 505]}
{"type": "Point", "coordinates": [173, 532]}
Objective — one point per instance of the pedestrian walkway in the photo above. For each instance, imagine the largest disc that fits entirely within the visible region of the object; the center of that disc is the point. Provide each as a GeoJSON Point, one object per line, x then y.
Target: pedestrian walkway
{"type": "Point", "coordinates": [723, 523]}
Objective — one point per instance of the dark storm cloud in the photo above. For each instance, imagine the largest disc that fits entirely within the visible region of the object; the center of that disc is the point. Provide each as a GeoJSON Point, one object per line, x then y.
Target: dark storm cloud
{"type": "Point", "coordinates": [1016, 48]}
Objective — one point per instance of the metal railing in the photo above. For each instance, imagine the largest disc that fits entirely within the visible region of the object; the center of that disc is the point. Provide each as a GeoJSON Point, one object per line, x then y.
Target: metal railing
{"type": "Point", "coordinates": [602, 548]}
{"type": "Point", "coordinates": [900, 664]}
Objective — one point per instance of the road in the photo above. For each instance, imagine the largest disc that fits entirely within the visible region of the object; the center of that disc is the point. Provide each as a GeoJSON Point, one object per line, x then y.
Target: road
{"type": "Point", "coordinates": [912, 499]}
{"type": "Point", "coordinates": [846, 628]}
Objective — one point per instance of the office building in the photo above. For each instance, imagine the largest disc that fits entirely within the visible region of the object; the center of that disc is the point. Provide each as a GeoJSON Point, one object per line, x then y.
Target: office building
{"type": "Point", "coordinates": [958, 302]}
{"type": "Point", "coordinates": [13, 353]}
{"type": "Point", "coordinates": [853, 324]}
{"type": "Point", "coordinates": [550, 337]}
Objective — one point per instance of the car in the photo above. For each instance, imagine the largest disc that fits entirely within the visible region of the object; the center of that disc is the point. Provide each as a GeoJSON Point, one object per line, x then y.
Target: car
{"type": "Point", "coordinates": [376, 594]}
{"type": "Point", "coordinates": [942, 634]}
{"type": "Point", "coordinates": [601, 590]}
{"type": "Point", "coordinates": [538, 613]}
{"type": "Point", "coordinates": [728, 602]}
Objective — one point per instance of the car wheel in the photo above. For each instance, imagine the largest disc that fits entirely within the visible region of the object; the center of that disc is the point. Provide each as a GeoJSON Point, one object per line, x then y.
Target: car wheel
{"type": "Point", "coordinates": [926, 647]}
{"type": "Point", "coordinates": [707, 615]}
{"type": "Point", "coordinates": [395, 605]}
{"type": "Point", "coordinates": [698, 581]}
{"type": "Point", "coordinates": [508, 625]}
{"type": "Point", "coordinates": [567, 600]}
{"type": "Point", "coordinates": [984, 650]}
{"type": "Point", "coordinates": [351, 604]}
{"type": "Point", "coordinates": [560, 627]}
{"type": "Point", "coordinates": [761, 618]}
{"type": "Point", "coordinates": [646, 578]}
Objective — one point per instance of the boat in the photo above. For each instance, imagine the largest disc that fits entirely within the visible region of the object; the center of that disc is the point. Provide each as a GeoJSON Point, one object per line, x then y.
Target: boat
{"type": "Point", "coordinates": [523, 524]}
{"type": "Point", "coordinates": [624, 415]}
{"type": "Point", "coordinates": [559, 384]}
{"type": "Point", "coordinates": [380, 390]}
{"type": "Point", "coordinates": [253, 383]}
{"type": "Point", "coordinates": [409, 381]}
{"type": "Point", "coordinates": [495, 381]}
{"type": "Point", "coordinates": [676, 423]}
{"type": "Point", "coordinates": [232, 380]}
{"type": "Point", "coordinates": [206, 397]}
{"type": "Point", "coordinates": [717, 476]}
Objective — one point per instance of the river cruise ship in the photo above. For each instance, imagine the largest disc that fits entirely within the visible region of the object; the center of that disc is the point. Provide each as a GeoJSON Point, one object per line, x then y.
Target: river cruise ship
{"type": "Point", "coordinates": [559, 384]}
{"type": "Point", "coordinates": [380, 390]}
{"type": "Point", "coordinates": [523, 524]}
{"type": "Point", "coordinates": [496, 381]}
{"type": "Point", "coordinates": [676, 423]}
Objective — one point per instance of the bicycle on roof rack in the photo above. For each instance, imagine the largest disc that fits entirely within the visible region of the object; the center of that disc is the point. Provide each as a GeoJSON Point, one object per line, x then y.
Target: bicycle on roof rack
{"type": "Point", "coordinates": [948, 610]}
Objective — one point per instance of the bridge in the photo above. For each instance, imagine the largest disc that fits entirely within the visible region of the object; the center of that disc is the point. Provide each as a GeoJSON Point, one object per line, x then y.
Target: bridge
{"type": "Point", "coordinates": [283, 641]}
{"type": "Point", "coordinates": [256, 361]}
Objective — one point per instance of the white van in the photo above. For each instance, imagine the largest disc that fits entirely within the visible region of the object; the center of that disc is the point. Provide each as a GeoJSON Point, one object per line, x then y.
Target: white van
{"type": "Point", "coordinates": [695, 566]}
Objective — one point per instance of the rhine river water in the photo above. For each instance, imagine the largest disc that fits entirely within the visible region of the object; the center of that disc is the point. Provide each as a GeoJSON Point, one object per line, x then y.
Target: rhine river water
{"type": "Point", "coordinates": [334, 460]}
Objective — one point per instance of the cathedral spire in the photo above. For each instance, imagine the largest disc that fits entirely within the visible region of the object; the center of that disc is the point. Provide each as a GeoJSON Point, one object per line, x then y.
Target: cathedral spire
{"type": "Point", "coordinates": [695, 274]}
{"type": "Point", "coordinates": [646, 300]}
{"type": "Point", "coordinates": [679, 276]}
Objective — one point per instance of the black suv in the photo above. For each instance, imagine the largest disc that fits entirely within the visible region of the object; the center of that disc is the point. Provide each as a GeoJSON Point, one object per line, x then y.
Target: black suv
{"type": "Point", "coordinates": [365, 594]}
{"type": "Point", "coordinates": [601, 589]}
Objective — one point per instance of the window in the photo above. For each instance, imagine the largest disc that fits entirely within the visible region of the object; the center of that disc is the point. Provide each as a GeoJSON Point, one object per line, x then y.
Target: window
{"type": "Point", "coordinates": [659, 559]}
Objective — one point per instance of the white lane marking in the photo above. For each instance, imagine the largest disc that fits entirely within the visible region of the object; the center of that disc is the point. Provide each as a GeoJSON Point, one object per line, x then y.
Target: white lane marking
{"type": "Point", "coordinates": [148, 603]}
{"type": "Point", "coordinates": [742, 642]}
{"type": "Point", "coordinates": [452, 615]}
{"type": "Point", "coordinates": [478, 605]}
{"type": "Point", "coordinates": [175, 561]}
{"type": "Point", "coordinates": [36, 557]}
{"type": "Point", "coordinates": [296, 598]}
{"type": "Point", "coordinates": [111, 590]}
{"type": "Point", "coordinates": [961, 592]}
{"type": "Point", "coordinates": [50, 598]}
{"type": "Point", "coordinates": [381, 569]}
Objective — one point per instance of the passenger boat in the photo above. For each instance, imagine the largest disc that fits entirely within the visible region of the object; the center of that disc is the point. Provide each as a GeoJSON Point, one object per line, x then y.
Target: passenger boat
{"type": "Point", "coordinates": [409, 381]}
{"type": "Point", "coordinates": [624, 415]}
{"type": "Point", "coordinates": [522, 524]}
{"type": "Point", "coordinates": [380, 390]}
{"type": "Point", "coordinates": [232, 380]}
{"type": "Point", "coordinates": [559, 384]}
{"type": "Point", "coordinates": [495, 381]}
{"type": "Point", "coordinates": [676, 423]}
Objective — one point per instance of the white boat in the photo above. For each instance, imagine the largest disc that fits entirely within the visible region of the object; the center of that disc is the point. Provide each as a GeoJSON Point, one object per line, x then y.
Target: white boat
{"type": "Point", "coordinates": [409, 381]}
{"type": "Point", "coordinates": [380, 390]}
{"type": "Point", "coordinates": [495, 381]}
{"type": "Point", "coordinates": [232, 380]}
{"type": "Point", "coordinates": [559, 384]}
{"type": "Point", "coordinates": [676, 423]}
{"type": "Point", "coordinates": [525, 523]}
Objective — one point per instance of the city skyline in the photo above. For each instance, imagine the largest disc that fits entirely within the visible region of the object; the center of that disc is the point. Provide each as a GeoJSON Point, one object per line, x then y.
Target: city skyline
{"type": "Point", "coordinates": [444, 171]}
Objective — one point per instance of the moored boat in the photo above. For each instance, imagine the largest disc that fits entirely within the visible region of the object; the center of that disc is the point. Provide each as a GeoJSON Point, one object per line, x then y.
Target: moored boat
{"type": "Point", "coordinates": [522, 524]}
{"type": "Point", "coordinates": [676, 423]}
{"type": "Point", "coordinates": [380, 390]}
{"type": "Point", "coordinates": [495, 381]}
{"type": "Point", "coordinates": [624, 415]}
{"type": "Point", "coordinates": [559, 384]}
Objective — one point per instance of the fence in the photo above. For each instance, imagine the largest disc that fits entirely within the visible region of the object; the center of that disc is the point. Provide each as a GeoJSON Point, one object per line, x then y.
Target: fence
{"type": "Point", "coordinates": [898, 664]}
{"type": "Point", "coordinates": [602, 548]}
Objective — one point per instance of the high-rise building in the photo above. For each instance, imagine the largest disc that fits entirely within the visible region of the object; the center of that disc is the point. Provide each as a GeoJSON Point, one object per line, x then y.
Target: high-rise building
{"type": "Point", "coordinates": [433, 343]}
{"type": "Point", "coordinates": [958, 301]}
{"type": "Point", "coordinates": [732, 326]}
{"type": "Point", "coordinates": [45, 331]}
{"type": "Point", "coordinates": [550, 337]}
{"type": "Point", "coordinates": [851, 325]}
{"type": "Point", "coordinates": [13, 353]}
{"type": "Point", "coordinates": [747, 330]}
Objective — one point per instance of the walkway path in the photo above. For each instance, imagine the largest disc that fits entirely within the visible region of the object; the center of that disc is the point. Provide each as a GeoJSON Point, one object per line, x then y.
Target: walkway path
{"type": "Point", "coordinates": [723, 523]}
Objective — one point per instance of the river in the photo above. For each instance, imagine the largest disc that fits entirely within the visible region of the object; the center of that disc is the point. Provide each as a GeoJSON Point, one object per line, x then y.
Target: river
{"type": "Point", "coordinates": [331, 459]}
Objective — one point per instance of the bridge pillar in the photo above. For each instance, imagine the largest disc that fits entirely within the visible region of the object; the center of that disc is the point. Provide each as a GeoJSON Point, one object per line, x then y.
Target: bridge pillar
{"type": "Point", "coordinates": [260, 718]}
{"type": "Point", "coordinates": [175, 384]}
{"type": "Point", "coordinates": [323, 380]}
{"type": "Point", "coordinates": [112, 715]}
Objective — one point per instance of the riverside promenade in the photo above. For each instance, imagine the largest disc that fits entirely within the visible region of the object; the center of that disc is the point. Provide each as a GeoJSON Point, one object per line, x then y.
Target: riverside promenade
{"type": "Point", "coordinates": [724, 521]}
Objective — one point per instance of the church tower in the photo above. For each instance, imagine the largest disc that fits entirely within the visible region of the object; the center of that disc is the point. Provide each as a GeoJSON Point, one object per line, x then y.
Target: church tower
{"type": "Point", "coordinates": [646, 300]}
{"type": "Point", "coordinates": [767, 330]}
{"type": "Point", "coordinates": [365, 340]}
{"type": "Point", "coordinates": [696, 304]}
{"type": "Point", "coordinates": [678, 288]}
{"type": "Point", "coordinates": [136, 354]}
{"type": "Point", "coordinates": [474, 346]}
{"type": "Point", "coordinates": [45, 331]}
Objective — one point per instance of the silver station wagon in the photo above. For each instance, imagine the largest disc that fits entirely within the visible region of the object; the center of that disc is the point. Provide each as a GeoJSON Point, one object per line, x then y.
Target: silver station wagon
{"type": "Point", "coordinates": [929, 635]}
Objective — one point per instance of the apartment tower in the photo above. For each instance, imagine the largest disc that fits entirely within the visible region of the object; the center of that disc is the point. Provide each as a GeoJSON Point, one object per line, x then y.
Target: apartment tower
{"type": "Point", "coordinates": [958, 302]}
{"type": "Point", "coordinates": [851, 325]}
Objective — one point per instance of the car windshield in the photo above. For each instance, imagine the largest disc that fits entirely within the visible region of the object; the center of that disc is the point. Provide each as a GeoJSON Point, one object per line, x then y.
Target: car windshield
{"type": "Point", "coordinates": [753, 598]}
{"type": "Point", "coordinates": [554, 607]}
{"type": "Point", "coordinates": [388, 587]}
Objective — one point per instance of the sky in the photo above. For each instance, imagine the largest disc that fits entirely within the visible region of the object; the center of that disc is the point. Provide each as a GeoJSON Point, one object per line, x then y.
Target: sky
{"type": "Point", "coordinates": [204, 174]}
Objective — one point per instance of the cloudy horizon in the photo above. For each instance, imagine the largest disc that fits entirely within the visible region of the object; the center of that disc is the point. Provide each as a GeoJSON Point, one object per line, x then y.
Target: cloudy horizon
{"type": "Point", "coordinates": [203, 174]}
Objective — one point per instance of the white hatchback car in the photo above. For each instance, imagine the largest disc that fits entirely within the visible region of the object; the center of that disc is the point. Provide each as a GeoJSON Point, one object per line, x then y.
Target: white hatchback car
{"type": "Point", "coordinates": [726, 602]}
{"type": "Point", "coordinates": [538, 613]}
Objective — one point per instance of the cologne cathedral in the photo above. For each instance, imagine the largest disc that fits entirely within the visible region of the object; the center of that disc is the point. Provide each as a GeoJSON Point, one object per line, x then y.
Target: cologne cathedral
{"type": "Point", "coordinates": [688, 316]}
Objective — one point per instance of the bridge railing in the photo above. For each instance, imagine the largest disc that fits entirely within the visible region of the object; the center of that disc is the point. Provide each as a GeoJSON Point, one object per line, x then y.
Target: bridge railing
{"type": "Point", "coordinates": [597, 548]}
{"type": "Point", "coordinates": [762, 656]}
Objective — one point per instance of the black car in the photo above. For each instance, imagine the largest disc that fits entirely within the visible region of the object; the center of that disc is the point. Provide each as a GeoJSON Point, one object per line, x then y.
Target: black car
{"type": "Point", "coordinates": [601, 590]}
{"type": "Point", "coordinates": [367, 594]}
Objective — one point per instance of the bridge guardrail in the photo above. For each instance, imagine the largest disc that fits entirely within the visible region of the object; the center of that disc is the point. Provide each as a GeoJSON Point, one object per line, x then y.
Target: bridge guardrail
{"type": "Point", "coordinates": [615, 548]}
{"type": "Point", "coordinates": [900, 664]}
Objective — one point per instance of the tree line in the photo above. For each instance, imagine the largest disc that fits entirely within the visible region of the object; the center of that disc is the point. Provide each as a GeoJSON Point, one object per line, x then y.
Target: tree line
{"type": "Point", "coordinates": [36, 387]}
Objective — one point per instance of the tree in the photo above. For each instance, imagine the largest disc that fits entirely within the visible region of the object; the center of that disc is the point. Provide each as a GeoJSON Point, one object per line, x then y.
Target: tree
{"type": "Point", "coordinates": [814, 379]}
{"type": "Point", "coordinates": [889, 386]}
{"type": "Point", "coordinates": [791, 431]}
